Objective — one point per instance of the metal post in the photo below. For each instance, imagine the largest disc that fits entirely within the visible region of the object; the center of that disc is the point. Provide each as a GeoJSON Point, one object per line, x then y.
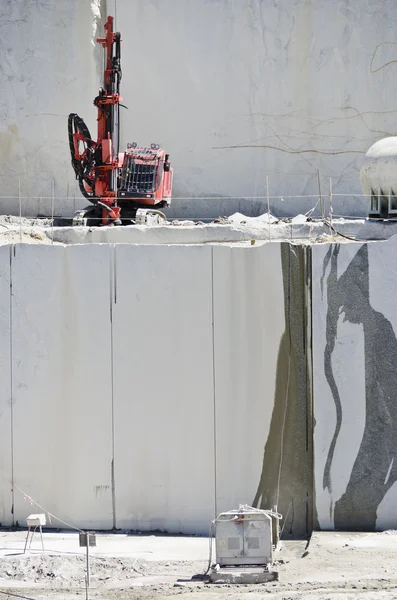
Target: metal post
{"type": "Point", "coordinates": [389, 203]}
{"type": "Point", "coordinates": [31, 539]}
{"type": "Point", "coordinates": [322, 210]}
{"type": "Point", "coordinates": [52, 210]}
{"type": "Point", "coordinates": [26, 541]}
{"type": "Point", "coordinates": [331, 210]}
{"type": "Point", "coordinates": [41, 535]}
{"type": "Point", "coordinates": [20, 211]}
{"type": "Point", "coordinates": [88, 560]}
{"type": "Point", "coordinates": [268, 203]}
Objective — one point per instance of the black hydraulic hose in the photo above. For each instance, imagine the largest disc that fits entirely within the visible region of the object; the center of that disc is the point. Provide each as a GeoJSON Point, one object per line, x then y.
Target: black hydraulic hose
{"type": "Point", "coordinates": [83, 167]}
{"type": "Point", "coordinates": [118, 58]}
{"type": "Point", "coordinates": [328, 224]}
{"type": "Point", "coordinates": [89, 195]}
{"type": "Point", "coordinates": [104, 206]}
{"type": "Point", "coordinates": [75, 163]}
{"type": "Point", "coordinates": [75, 123]}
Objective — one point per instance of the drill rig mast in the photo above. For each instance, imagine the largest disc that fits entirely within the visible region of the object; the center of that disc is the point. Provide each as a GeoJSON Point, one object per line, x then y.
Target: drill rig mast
{"type": "Point", "coordinates": [119, 186]}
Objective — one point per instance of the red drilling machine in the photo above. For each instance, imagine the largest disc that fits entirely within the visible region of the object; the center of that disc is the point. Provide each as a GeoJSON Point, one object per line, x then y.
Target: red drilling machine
{"type": "Point", "coordinates": [123, 188]}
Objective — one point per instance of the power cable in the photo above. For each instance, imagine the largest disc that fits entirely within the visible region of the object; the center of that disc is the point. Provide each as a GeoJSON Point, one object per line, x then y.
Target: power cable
{"type": "Point", "coordinates": [328, 224]}
{"type": "Point", "coordinates": [32, 501]}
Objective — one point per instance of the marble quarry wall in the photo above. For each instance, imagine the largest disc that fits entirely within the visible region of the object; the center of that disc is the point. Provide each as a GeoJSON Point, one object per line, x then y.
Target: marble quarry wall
{"type": "Point", "coordinates": [355, 409]}
{"type": "Point", "coordinates": [146, 387]}
{"type": "Point", "coordinates": [234, 91]}
{"type": "Point", "coordinates": [152, 387]}
{"type": "Point", "coordinates": [48, 69]}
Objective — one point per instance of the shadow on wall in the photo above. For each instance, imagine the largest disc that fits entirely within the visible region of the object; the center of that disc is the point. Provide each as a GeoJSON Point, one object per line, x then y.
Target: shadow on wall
{"type": "Point", "coordinates": [286, 479]}
{"type": "Point", "coordinates": [375, 469]}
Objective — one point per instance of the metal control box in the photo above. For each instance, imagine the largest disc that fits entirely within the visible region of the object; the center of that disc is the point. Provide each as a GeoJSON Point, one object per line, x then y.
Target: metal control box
{"type": "Point", "coordinates": [244, 538]}
{"type": "Point", "coordinates": [87, 538]}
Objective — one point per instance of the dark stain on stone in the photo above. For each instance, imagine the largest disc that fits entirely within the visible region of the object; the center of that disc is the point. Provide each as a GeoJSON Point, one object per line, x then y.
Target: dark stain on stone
{"type": "Point", "coordinates": [295, 477]}
{"type": "Point", "coordinates": [331, 325]}
{"type": "Point", "coordinates": [375, 468]}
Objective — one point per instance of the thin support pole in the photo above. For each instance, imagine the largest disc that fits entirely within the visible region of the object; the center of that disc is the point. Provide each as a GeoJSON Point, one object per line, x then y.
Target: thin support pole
{"type": "Point", "coordinates": [20, 211]}
{"type": "Point", "coordinates": [268, 203]}
{"type": "Point", "coordinates": [52, 210]}
{"type": "Point", "coordinates": [41, 535]}
{"type": "Point", "coordinates": [331, 210]}
{"type": "Point", "coordinates": [88, 560]}
{"type": "Point", "coordinates": [31, 539]}
{"type": "Point", "coordinates": [26, 541]}
{"type": "Point", "coordinates": [321, 196]}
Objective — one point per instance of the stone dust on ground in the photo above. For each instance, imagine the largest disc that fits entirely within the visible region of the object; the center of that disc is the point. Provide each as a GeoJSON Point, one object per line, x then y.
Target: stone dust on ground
{"type": "Point", "coordinates": [27, 231]}
{"type": "Point", "coordinates": [14, 230]}
{"type": "Point", "coordinates": [333, 566]}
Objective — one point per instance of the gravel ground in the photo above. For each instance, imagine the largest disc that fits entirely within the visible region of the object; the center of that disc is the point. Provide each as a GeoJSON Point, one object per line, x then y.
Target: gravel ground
{"type": "Point", "coordinates": [28, 231]}
{"type": "Point", "coordinates": [333, 566]}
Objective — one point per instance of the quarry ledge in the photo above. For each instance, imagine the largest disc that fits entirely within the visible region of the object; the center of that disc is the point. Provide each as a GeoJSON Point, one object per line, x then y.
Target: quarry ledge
{"type": "Point", "coordinates": [232, 230]}
{"type": "Point", "coordinates": [253, 229]}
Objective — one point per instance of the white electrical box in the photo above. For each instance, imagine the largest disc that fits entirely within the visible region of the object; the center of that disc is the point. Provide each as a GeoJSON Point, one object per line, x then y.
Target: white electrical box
{"type": "Point", "coordinates": [244, 538]}
{"type": "Point", "coordinates": [36, 521]}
